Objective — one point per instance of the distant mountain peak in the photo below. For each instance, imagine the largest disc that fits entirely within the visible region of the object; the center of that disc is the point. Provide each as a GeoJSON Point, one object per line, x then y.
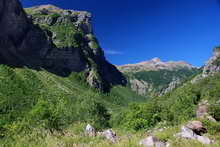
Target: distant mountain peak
{"type": "Point", "coordinates": [154, 65]}
{"type": "Point", "coordinates": [156, 59]}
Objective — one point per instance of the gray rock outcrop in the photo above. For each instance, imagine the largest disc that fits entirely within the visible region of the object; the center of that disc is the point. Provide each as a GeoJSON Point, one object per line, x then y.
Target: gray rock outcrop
{"type": "Point", "coordinates": [213, 64]}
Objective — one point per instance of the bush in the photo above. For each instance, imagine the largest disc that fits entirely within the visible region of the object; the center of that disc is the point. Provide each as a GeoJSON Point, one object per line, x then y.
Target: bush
{"type": "Point", "coordinates": [215, 111]}
{"type": "Point", "coordinates": [92, 111]}
{"type": "Point", "coordinates": [212, 127]}
{"type": "Point", "coordinates": [141, 116]}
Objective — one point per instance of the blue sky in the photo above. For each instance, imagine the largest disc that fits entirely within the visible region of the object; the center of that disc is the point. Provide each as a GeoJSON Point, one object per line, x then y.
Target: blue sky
{"type": "Point", "coordinates": [131, 31]}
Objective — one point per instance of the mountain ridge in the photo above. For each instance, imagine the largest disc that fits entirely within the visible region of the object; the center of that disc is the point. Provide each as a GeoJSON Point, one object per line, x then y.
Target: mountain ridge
{"type": "Point", "coordinates": [154, 64]}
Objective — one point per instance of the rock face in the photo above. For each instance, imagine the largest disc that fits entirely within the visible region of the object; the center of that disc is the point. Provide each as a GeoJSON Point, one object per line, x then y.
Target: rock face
{"type": "Point", "coordinates": [213, 64]}
{"type": "Point", "coordinates": [155, 77]}
{"type": "Point", "coordinates": [60, 41]}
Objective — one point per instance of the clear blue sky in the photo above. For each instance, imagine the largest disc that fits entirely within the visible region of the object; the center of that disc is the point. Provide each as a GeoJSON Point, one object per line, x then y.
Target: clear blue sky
{"type": "Point", "coordinates": [131, 31]}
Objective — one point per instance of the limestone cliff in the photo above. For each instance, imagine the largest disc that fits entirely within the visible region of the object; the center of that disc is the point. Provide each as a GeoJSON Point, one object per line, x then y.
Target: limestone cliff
{"type": "Point", "coordinates": [60, 41]}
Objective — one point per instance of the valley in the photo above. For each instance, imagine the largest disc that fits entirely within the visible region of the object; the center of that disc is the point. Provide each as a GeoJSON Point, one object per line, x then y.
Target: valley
{"type": "Point", "coordinates": [57, 88]}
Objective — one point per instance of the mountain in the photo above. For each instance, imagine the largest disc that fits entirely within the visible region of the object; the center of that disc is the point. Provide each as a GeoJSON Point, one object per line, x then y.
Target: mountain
{"type": "Point", "coordinates": [212, 65]}
{"type": "Point", "coordinates": [53, 75]}
{"type": "Point", "coordinates": [156, 77]}
{"type": "Point", "coordinates": [60, 41]}
{"type": "Point", "coordinates": [155, 64]}
{"type": "Point", "coordinates": [174, 111]}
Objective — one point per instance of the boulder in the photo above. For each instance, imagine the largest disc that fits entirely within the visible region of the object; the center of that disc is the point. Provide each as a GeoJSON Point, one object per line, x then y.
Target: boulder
{"type": "Point", "coordinates": [152, 141]}
{"type": "Point", "coordinates": [197, 127]}
{"type": "Point", "coordinates": [202, 111]}
{"type": "Point", "coordinates": [204, 139]}
{"type": "Point", "coordinates": [186, 133]}
{"type": "Point", "coordinates": [109, 135]}
{"type": "Point", "coordinates": [90, 131]}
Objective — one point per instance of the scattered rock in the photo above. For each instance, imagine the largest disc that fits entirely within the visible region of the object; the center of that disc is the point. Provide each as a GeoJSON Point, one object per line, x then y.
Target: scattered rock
{"type": "Point", "coordinates": [109, 135]}
{"type": "Point", "coordinates": [152, 141]}
{"type": "Point", "coordinates": [90, 131]}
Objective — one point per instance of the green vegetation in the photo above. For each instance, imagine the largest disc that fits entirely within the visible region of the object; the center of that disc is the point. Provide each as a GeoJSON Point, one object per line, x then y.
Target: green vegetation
{"type": "Point", "coordinates": [40, 100]}
{"type": "Point", "coordinates": [66, 35]}
{"type": "Point", "coordinates": [175, 107]}
{"type": "Point", "coordinates": [161, 79]}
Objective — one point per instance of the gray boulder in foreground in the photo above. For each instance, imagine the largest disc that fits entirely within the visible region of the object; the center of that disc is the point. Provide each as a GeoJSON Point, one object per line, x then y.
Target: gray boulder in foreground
{"type": "Point", "coordinates": [187, 132]}
{"type": "Point", "coordinates": [152, 141]}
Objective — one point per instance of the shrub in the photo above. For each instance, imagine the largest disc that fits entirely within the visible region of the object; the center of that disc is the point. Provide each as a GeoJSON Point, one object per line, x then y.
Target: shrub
{"type": "Point", "coordinates": [92, 111]}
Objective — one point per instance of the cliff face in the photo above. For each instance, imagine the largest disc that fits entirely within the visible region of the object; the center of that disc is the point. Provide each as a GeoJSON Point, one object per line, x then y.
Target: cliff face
{"type": "Point", "coordinates": [60, 41]}
{"type": "Point", "coordinates": [213, 64]}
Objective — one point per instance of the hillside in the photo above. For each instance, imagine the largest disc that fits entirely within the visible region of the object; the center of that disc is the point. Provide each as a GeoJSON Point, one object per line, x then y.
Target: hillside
{"type": "Point", "coordinates": [54, 75]}
{"type": "Point", "coordinates": [156, 77]}
{"type": "Point", "coordinates": [194, 100]}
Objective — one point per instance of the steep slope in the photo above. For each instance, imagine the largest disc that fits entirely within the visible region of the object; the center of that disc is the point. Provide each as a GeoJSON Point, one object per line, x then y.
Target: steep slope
{"type": "Point", "coordinates": [62, 43]}
{"type": "Point", "coordinates": [155, 77]}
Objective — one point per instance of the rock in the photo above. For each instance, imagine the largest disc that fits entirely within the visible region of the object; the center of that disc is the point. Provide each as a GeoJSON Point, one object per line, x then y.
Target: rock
{"type": "Point", "coordinates": [109, 135]}
{"type": "Point", "coordinates": [213, 64]}
{"type": "Point", "coordinates": [202, 111]}
{"type": "Point", "coordinates": [204, 140]}
{"type": "Point", "coordinates": [90, 131]}
{"type": "Point", "coordinates": [186, 133]}
{"type": "Point", "coordinates": [24, 43]}
{"type": "Point", "coordinates": [152, 141]}
{"type": "Point", "coordinates": [197, 127]}
{"type": "Point", "coordinates": [210, 118]}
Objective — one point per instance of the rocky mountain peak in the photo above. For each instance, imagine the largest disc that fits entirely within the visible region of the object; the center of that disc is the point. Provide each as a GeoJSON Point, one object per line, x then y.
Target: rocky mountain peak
{"type": "Point", "coordinates": [59, 41]}
{"type": "Point", "coordinates": [154, 65]}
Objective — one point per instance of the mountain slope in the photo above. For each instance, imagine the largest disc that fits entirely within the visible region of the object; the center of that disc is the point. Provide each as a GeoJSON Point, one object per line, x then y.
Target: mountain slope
{"type": "Point", "coordinates": [61, 43]}
{"type": "Point", "coordinates": [192, 101]}
{"type": "Point", "coordinates": [51, 74]}
{"type": "Point", "coordinates": [155, 77]}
